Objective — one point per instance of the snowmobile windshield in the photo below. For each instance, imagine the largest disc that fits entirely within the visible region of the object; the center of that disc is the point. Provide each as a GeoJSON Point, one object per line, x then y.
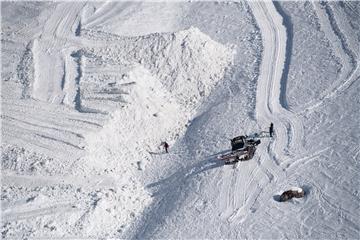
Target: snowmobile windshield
{"type": "Point", "coordinates": [237, 144]}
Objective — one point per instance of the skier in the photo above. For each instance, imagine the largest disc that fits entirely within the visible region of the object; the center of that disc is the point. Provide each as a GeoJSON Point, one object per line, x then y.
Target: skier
{"type": "Point", "coordinates": [271, 129]}
{"type": "Point", "coordinates": [166, 146]}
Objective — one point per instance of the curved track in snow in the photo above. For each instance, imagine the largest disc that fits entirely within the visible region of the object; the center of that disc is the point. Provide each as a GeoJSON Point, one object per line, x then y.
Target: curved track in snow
{"type": "Point", "coordinates": [244, 191]}
{"type": "Point", "coordinates": [288, 128]}
{"type": "Point", "coordinates": [241, 192]}
{"type": "Point", "coordinates": [104, 195]}
{"type": "Point", "coordinates": [351, 70]}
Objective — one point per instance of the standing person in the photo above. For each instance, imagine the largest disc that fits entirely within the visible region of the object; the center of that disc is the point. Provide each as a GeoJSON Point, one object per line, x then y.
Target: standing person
{"type": "Point", "coordinates": [271, 129]}
{"type": "Point", "coordinates": [166, 146]}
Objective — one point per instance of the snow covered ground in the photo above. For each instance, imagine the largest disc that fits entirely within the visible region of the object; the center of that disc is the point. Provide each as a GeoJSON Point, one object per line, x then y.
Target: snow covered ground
{"type": "Point", "coordinates": [90, 90]}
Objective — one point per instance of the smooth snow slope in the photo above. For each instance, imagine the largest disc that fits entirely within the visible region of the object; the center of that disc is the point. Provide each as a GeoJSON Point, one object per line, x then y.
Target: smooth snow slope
{"type": "Point", "coordinates": [91, 89]}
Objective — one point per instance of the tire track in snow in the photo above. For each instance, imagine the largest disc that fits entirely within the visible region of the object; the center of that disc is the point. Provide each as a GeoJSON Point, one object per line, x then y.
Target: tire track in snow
{"type": "Point", "coordinates": [352, 71]}
{"type": "Point", "coordinates": [291, 127]}
{"type": "Point", "coordinates": [51, 210]}
{"type": "Point", "coordinates": [226, 191]}
{"type": "Point", "coordinates": [343, 41]}
{"type": "Point", "coordinates": [269, 107]}
{"type": "Point", "coordinates": [50, 52]}
{"type": "Point", "coordinates": [107, 12]}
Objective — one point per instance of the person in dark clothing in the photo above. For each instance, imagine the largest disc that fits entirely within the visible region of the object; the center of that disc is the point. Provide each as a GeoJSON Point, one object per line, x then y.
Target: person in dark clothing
{"type": "Point", "coordinates": [166, 146]}
{"type": "Point", "coordinates": [271, 129]}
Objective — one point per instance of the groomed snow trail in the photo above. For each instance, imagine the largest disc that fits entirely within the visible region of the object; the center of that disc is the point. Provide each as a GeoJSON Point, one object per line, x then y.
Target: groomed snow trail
{"type": "Point", "coordinates": [287, 161]}
{"type": "Point", "coordinates": [288, 128]}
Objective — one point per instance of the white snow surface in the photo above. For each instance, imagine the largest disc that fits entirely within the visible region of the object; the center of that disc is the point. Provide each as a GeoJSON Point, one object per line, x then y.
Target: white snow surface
{"type": "Point", "coordinates": [90, 90]}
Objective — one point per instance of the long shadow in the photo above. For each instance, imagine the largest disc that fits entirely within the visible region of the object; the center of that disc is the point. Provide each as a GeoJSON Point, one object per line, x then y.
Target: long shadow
{"type": "Point", "coordinates": [170, 193]}
{"type": "Point", "coordinates": [181, 176]}
{"type": "Point", "coordinates": [78, 106]}
{"type": "Point", "coordinates": [289, 46]}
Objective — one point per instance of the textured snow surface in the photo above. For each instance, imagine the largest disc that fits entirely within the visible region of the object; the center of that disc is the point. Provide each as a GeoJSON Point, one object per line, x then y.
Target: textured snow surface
{"type": "Point", "coordinates": [90, 90]}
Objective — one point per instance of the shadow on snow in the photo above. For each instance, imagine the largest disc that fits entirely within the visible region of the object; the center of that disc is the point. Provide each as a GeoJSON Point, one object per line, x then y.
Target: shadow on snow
{"type": "Point", "coordinates": [182, 175]}
{"type": "Point", "coordinates": [171, 192]}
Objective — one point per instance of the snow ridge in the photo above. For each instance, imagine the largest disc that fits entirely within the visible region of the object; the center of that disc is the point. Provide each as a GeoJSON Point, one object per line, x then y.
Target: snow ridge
{"type": "Point", "coordinates": [289, 41]}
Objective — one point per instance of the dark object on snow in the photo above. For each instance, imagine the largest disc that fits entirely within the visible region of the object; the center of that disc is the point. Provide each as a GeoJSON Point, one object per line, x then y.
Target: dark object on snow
{"type": "Point", "coordinates": [250, 153]}
{"type": "Point", "coordinates": [242, 148]}
{"type": "Point", "coordinates": [166, 146]}
{"type": "Point", "coordinates": [237, 143]}
{"type": "Point", "coordinates": [253, 142]}
{"type": "Point", "coordinates": [271, 129]}
{"type": "Point", "coordinates": [246, 154]}
{"type": "Point", "coordinates": [289, 194]}
{"type": "Point", "coordinates": [243, 141]}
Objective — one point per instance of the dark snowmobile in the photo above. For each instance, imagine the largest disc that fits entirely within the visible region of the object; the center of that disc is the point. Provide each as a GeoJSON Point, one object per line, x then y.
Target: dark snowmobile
{"type": "Point", "coordinates": [242, 149]}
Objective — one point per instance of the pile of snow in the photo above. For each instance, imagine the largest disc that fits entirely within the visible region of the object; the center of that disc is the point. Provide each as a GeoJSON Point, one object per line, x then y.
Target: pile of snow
{"type": "Point", "coordinates": [161, 85]}
{"type": "Point", "coordinates": [147, 87]}
{"type": "Point", "coordinates": [163, 79]}
{"type": "Point", "coordinates": [188, 64]}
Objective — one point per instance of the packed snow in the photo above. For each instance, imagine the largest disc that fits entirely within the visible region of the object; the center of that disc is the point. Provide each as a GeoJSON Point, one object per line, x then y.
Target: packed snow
{"type": "Point", "coordinates": [90, 91]}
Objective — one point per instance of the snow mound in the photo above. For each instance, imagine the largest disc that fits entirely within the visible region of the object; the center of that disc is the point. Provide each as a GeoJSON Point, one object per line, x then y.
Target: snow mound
{"type": "Point", "coordinates": [147, 87]}
{"type": "Point", "coordinates": [151, 86]}
{"type": "Point", "coordinates": [297, 189]}
{"type": "Point", "coordinates": [164, 75]}
{"type": "Point", "coordinates": [188, 64]}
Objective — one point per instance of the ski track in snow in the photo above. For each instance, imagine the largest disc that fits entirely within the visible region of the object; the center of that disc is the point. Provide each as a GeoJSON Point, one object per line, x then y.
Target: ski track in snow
{"type": "Point", "coordinates": [59, 132]}
{"type": "Point", "coordinates": [278, 159]}
{"type": "Point", "coordinates": [351, 72]}
{"type": "Point", "coordinates": [240, 194]}
{"type": "Point", "coordinates": [288, 128]}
